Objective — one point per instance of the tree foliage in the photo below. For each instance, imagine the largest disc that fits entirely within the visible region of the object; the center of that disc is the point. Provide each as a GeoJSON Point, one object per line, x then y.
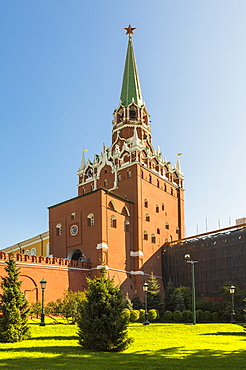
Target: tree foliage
{"type": "Point", "coordinates": [102, 324]}
{"type": "Point", "coordinates": [136, 302]}
{"type": "Point", "coordinates": [13, 306]}
{"type": "Point", "coordinates": [154, 296]}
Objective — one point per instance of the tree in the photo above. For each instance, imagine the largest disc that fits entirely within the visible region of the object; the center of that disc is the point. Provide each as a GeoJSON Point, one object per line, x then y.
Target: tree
{"type": "Point", "coordinates": [136, 302]}
{"type": "Point", "coordinates": [154, 295]}
{"type": "Point", "coordinates": [179, 301]}
{"type": "Point", "coordinates": [102, 324]}
{"type": "Point", "coordinates": [13, 306]}
{"type": "Point", "coordinates": [186, 293]}
{"type": "Point", "coordinates": [169, 289]}
{"type": "Point", "coordinates": [128, 303]}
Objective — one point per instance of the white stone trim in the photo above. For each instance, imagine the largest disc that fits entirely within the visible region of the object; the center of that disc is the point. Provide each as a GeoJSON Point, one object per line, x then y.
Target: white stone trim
{"type": "Point", "coordinates": [102, 246]}
{"type": "Point", "coordinates": [99, 267]}
{"type": "Point", "coordinates": [136, 254]}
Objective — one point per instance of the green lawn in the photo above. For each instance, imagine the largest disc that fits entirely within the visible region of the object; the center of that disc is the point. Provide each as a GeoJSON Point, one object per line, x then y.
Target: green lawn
{"type": "Point", "coordinates": [157, 346]}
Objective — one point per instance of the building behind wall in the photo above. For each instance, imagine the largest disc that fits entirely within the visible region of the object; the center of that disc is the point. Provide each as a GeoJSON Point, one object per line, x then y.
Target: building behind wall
{"type": "Point", "coordinates": [130, 199]}
{"type": "Point", "coordinates": [221, 257]}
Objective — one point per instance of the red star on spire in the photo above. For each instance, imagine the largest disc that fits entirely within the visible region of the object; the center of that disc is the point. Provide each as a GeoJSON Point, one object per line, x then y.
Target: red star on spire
{"type": "Point", "coordinates": [129, 30]}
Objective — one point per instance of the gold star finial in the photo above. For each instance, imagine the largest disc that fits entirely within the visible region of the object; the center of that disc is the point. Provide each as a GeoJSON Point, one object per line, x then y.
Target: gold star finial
{"type": "Point", "coordinates": [129, 30]}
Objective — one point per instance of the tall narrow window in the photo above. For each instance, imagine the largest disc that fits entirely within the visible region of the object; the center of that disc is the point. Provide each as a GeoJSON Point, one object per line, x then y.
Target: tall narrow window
{"type": "Point", "coordinates": [145, 203]}
{"type": "Point", "coordinates": [132, 113]}
{"type": "Point", "coordinates": [73, 215]}
{"type": "Point", "coordinates": [153, 238]}
{"type": "Point", "coordinates": [145, 235]}
{"type": "Point", "coordinates": [58, 229]}
{"type": "Point", "coordinates": [129, 173]}
{"type": "Point", "coordinates": [127, 226]}
{"type": "Point", "coordinates": [147, 217]}
{"type": "Point", "coordinates": [158, 183]}
{"type": "Point", "coordinates": [158, 231]}
{"type": "Point", "coordinates": [157, 208]}
{"type": "Point", "coordinates": [167, 226]}
{"type": "Point", "coordinates": [162, 207]}
{"type": "Point", "coordinates": [150, 179]}
{"type": "Point", "coordinates": [90, 219]}
{"type": "Point", "coordinates": [113, 222]}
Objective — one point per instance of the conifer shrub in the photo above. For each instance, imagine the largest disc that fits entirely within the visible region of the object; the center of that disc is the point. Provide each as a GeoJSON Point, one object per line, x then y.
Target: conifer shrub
{"type": "Point", "coordinates": [168, 316]}
{"type": "Point", "coordinates": [187, 316]}
{"type": "Point", "coordinates": [152, 314]}
{"type": "Point", "coordinates": [141, 314]}
{"type": "Point", "coordinates": [134, 315]}
{"type": "Point", "coordinates": [14, 308]}
{"type": "Point", "coordinates": [207, 316]}
{"type": "Point", "coordinates": [177, 316]}
{"type": "Point", "coordinates": [215, 316]}
{"type": "Point", "coordinates": [199, 315]}
{"type": "Point", "coordinates": [101, 322]}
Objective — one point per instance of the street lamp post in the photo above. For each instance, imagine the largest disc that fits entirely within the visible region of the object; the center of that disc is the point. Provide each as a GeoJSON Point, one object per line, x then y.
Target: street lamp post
{"type": "Point", "coordinates": [145, 289]}
{"type": "Point", "coordinates": [188, 260]}
{"type": "Point", "coordinates": [232, 291]}
{"type": "Point", "coordinates": [43, 285]}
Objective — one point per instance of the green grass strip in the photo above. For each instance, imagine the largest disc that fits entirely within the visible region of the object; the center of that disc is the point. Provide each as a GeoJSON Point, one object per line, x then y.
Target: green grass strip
{"type": "Point", "coordinates": [157, 346]}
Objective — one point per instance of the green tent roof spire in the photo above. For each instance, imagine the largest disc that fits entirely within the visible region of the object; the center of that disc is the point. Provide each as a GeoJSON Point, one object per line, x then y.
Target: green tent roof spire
{"type": "Point", "coordinates": [131, 91]}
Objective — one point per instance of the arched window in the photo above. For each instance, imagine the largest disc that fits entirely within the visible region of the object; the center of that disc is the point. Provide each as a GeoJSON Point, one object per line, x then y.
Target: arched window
{"type": "Point", "coordinates": [125, 211]}
{"type": "Point", "coordinates": [152, 238]}
{"type": "Point", "coordinates": [158, 231]}
{"type": "Point", "coordinates": [157, 208]}
{"type": "Point", "coordinates": [129, 173]}
{"type": "Point", "coordinates": [146, 203]}
{"type": "Point", "coordinates": [165, 187]}
{"type": "Point", "coordinates": [105, 182]}
{"type": "Point", "coordinates": [73, 216]}
{"type": "Point", "coordinates": [147, 217]}
{"type": "Point", "coordinates": [112, 206]}
{"type": "Point", "coordinates": [162, 207]}
{"type": "Point", "coordinates": [58, 229]}
{"type": "Point", "coordinates": [27, 252]}
{"type": "Point", "coordinates": [145, 235]}
{"type": "Point", "coordinates": [167, 225]}
{"type": "Point", "coordinates": [113, 221]}
{"type": "Point", "coordinates": [33, 252]}
{"type": "Point", "coordinates": [150, 178]}
{"type": "Point", "coordinates": [127, 226]}
{"type": "Point", "coordinates": [90, 219]}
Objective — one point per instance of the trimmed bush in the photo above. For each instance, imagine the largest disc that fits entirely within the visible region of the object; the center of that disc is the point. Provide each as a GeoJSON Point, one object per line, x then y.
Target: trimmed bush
{"type": "Point", "coordinates": [134, 315]}
{"type": "Point", "coordinates": [141, 315]}
{"type": "Point", "coordinates": [126, 313]}
{"type": "Point", "coordinates": [177, 316]}
{"type": "Point", "coordinates": [199, 315]}
{"type": "Point", "coordinates": [168, 316]}
{"type": "Point", "coordinates": [187, 316]}
{"type": "Point", "coordinates": [152, 314]}
{"type": "Point", "coordinates": [215, 316]}
{"type": "Point", "coordinates": [207, 316]}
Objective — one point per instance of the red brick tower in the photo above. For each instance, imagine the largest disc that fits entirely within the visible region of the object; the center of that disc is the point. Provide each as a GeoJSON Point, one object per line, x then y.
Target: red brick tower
{"type": "Point", "coordinates": [130, 199]}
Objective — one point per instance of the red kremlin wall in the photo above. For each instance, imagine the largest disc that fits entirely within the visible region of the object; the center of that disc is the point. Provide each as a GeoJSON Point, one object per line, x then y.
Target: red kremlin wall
{"type": "Point", "coordinates": [60, 274]}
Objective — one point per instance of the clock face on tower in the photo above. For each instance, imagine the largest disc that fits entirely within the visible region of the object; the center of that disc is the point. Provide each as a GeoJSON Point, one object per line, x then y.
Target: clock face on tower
{"type": "Point", "coordinates": [74, 230]}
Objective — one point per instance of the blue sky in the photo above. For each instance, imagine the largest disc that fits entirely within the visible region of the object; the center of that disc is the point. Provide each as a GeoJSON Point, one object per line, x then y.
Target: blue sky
{"type": "Point", "coordinates": [61, 72]}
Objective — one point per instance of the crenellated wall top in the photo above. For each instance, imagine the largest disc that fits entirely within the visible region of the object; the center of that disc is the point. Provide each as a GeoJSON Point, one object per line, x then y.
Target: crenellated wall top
{"type": "Point", "coordinates": [24, 258]}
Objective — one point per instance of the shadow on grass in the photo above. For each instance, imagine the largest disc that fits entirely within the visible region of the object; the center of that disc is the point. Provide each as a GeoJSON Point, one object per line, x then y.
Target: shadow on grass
{"type": "Point", "coordinates": [75, 357]}
{"type": "Point", "coordinates": [60, 337]}
{"type": "Point", "coordinates": [236, 334]}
